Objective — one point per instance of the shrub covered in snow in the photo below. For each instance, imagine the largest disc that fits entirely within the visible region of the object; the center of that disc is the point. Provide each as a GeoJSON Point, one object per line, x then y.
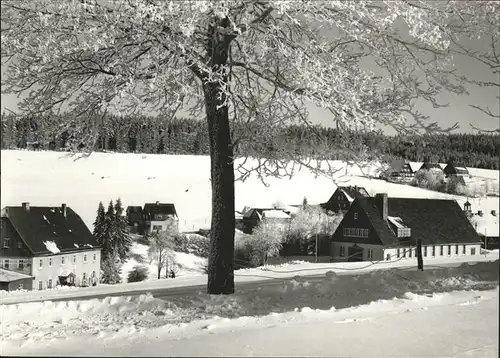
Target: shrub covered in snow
{"type": "Point", "coordinates": [138, 274]}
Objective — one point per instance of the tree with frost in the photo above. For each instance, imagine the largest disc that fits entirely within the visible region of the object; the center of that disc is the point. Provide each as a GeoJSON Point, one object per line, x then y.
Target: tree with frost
{"type": "Point", "coordinates": [161, 250]}
{"type": "Point", "coordinates": [257, 63]}
{"type": "Point", "coordinates": [266, 240]}
{"type": "Point", "coordinates": [110, 270]}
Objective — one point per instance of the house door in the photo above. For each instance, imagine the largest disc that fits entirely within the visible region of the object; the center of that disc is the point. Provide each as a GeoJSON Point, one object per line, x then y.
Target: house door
{"type": "Point", "coordinates": [355, 253]}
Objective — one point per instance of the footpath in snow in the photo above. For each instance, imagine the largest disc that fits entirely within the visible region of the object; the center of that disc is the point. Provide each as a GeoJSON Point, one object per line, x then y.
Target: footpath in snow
{"type": "Point", "coordinates": [276, 272]}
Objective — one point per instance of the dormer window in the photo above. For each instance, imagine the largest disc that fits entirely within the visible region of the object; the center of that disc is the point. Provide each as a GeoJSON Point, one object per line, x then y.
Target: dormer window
{"type": "Point", "coordinates": [355, 216]}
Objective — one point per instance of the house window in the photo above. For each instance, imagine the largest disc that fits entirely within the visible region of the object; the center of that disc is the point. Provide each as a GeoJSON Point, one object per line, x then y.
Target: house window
{"type": "Point", "coordinates": [84, 278]}
{"type": "Point", "coordinates": [370, 254]}
{"type": "Point", "coordinates": [94, 257]}
{"type": "Point", "coordinates": [6, 243]}
{"type": "Point", "coordinates": [62, 260]}
{"type": "Point", "coordinates": [50, 261]}
{"type": "Point", "coordinates": [50, 283]}
{"type": "Point", "coordinates": [6, 263]}
{"type": "Point", "coordinates": [41, 263]}
{"type": "Point", "coordinates": [464, 250]}
{"type": "Point", "coordinates": [425, 251]}
{"type": "Point", "coordinates": [40, 285]}
{"type": "Point", "coordinates": [157, 227]}
{"type": "Point", "coordinates": [20, 286]}
{"type": "Point", "coordinates": [433, 250]}
{"type": "Point", "coordinates": [388, 257]}
{"type": "Point", "coordinates": [84, 258]}
{"type": "Point", "coordinates": [410, 253]}
{"type": "Point", "coordinates": [342, 251]}
{"type": "Point", "coordinates": [19, 244]}
{"type": "Point", "coordinates": [404, 253]}
{"type": "Point", "coordinates": [20, 265]}
{"type": "Point", "coordinates": [355, 216]}
{"type": "Point", "coordinates": [397, 253]}
{"type": "Point", "coordinates": [74, 259]}
{"type": "Point", "coordinates": [449, 250]}
{"type": "Point", "coordinates": [473, 251]}
{"type": "Point", "coordinates": [441, 250]}
{"type": "Point", "coordinates": [456, 249]}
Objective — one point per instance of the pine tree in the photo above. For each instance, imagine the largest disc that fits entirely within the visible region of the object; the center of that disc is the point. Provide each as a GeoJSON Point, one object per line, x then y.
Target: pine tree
{"type": "Point", "coordinates": [109, 229]}
{"type": "Point", "coordinates": [110, 270]}
{"type": "Point", "coordinates": [121, 239]}
{"type": "Point", "coordinates": [99, 228]}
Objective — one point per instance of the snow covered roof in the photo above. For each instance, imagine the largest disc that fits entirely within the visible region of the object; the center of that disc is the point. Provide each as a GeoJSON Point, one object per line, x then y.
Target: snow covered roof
{"type": "Point", "coordinates": [415, 166]}
{"type": "Point", "coordinates": [397, 221]}
{"type": "Point", "coordinates": [52, 247]}
{"type": "Point", "coordinates": [49, 230]}
{"type": "Point", "coordinates": [275, 214]}
{"type": "Point", "coordinates": [10, 276]}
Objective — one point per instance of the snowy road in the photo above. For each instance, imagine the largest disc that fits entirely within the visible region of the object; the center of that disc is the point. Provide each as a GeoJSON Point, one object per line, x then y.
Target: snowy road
{"type": "Point", "coordinates": [462, 324]}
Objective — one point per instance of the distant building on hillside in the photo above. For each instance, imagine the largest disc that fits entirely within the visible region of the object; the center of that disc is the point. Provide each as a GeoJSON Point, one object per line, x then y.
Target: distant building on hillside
{"type": "Point", "coordinates": [134, 219]}
{"type": "Point", "coordinates": [431, 167]}
{"type": "Point", "coordinates": [42, 247]}
{"type": "Point", "coordinates": [401, 169]}
{"type": "Point", "coordinates": [160, 217]}
{"type": "Point", "coordinates": [384, 229]}
{"type": "Point", "coordinates": [456, 170]}
{"type": "Point", "coordinates": [343, 197]}
{"type": "Point", "coordinates": [153, 217]}
{"type": "Point", "coordinates": [254, 216]}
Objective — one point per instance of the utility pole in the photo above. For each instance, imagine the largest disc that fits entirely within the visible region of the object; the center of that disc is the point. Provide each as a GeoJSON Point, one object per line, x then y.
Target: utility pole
{"type": "Point", "coordinates": [420, 261]}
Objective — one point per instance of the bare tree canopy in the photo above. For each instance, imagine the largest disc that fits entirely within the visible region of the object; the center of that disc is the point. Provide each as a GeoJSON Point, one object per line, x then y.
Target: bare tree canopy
{"type": "Point", "coordinates": [253, 62]}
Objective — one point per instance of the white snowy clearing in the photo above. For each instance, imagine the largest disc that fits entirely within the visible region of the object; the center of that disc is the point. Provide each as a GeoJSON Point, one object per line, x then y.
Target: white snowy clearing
{"type": "Point", "coordinates": [186, 264]}
{"type": "Point", "coordinates": [299, 317]}
{"type": "Point", "coordinates": [81, 182]}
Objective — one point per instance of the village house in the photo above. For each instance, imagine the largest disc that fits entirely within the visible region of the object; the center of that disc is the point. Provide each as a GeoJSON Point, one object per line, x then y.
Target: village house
{"type": "Point", "coordinates": [382, 228]}
{"type": "Point", "coordinates": [160, 217]}
{"type": "Point", "coordinates": [254, 216]}
{"type": "Point", "coordinates": [402, 170]}
{"type": "Point", "coordinates": [431, 167]}
{"type": "Point", "coordinates": [42, 247]}
{"type": "Point", "coordinates": [456, 170]}
{"type": "Point", "coordinates": [343, 197]}
{"type": "Point", "coordinates": [134, 219]}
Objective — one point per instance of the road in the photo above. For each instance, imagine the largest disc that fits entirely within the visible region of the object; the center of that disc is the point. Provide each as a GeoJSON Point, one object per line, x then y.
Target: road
{"type": "Point", "coordinates": [184, 291]}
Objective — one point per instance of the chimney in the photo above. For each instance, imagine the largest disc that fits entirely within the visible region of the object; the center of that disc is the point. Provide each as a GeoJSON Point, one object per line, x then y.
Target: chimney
{"type": "Point", "coordinates": [63, 209]}
{"type": "Point", "coordinates": [494, 212]}
{"type": "Point", "coordinates": [157, 203]}
{"type": "Point", "coordinates": [26, 206]}
{"type": "Point", "coordinates": [382, 204]}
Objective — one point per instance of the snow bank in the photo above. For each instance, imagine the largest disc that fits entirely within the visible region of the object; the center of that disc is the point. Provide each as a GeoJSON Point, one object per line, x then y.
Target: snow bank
{"type": "Point", "coordinates": [52, 247]}
{"type": "Point", "coordinates": [336, 298]}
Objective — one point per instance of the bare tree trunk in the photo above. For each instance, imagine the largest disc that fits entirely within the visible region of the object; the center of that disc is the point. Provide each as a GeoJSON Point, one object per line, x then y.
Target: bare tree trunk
{"type": "Point", "coordinates": [221, 256]}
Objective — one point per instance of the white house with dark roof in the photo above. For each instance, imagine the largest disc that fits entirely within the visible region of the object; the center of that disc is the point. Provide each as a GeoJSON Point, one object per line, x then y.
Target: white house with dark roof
{"type": "Point", "coordinates": [50, 244]}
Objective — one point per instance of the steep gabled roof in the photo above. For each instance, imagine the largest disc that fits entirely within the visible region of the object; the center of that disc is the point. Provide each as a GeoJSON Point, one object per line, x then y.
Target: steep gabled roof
{"type": "Point", "coordinates": [429, 165]}
{"type": "Point", "coordinates": [11, 276]}
{"type": "Point", "coordinates": [434, 221]}
{"type": "Point", "coordinates": [45, 230]}
{"type": "Point", "coordinates": [159, 208]}
{"type": "Point", "coordinates": [353, 192]}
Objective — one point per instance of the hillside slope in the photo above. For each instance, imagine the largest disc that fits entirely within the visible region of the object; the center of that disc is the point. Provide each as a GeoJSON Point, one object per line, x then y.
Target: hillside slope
{"type": "Point", "coordinates": [52, 178]}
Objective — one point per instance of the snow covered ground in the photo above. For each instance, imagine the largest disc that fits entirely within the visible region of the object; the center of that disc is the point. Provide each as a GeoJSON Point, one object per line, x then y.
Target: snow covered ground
{"type": "Point", "coordinates": [51, 178]}
{"type": "Point", "coordinates": [277, 272]}
{"type": "Point", "coordinates": [329, 317]}
{"type": "Point", "coordinates": [186, 264]}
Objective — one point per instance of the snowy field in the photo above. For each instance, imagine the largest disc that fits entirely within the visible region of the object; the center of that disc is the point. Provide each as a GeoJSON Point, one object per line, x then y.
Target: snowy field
{"type": "Point", "coordinates": [50, 178]}
{"type": "Point", "coordinates": [299, 317]}
{"type": "Point", "coordinates": [276, 272]}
